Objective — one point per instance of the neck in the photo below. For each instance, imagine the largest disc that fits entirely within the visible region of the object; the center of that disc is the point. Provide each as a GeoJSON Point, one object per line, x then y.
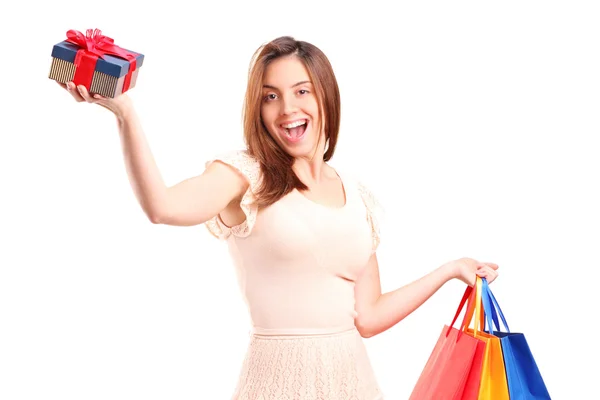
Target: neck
{"type": "Point", "coordinates": [312, 168]}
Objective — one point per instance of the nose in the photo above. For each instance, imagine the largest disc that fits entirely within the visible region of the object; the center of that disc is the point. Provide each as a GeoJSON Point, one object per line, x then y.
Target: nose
{"type": "Point", "coordinates": [288, 105]}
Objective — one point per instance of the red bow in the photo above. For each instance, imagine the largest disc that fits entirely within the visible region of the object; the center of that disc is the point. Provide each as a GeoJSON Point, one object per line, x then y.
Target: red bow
{"type": "Point", "coordinates": [95, 45]}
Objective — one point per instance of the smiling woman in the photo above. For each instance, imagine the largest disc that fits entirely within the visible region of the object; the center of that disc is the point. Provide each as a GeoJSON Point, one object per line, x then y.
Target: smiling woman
{"type": "Point", "coordinates": [303, 237]}
{"type": "Point", "coordinates": [299, 276]}
{"type": "Point", "coordinates": [290, 109]}
{"type": "Point", "coordinates": [291, 114]}
{"type": "Point", "coordinates": [291, 131]}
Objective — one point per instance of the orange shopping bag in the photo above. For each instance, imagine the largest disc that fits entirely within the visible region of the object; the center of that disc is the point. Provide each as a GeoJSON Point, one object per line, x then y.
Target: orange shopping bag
{"type": "Point", "coordinates": [493, 385]}
{"type": "Point", "coordinates": [453, 370]}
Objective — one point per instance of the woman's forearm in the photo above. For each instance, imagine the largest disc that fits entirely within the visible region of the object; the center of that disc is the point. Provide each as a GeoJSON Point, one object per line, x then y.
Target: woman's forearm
{"type": "Point", "coordinates": [144, 175]}
{"type": "Point", "coordinates": [392, 307]}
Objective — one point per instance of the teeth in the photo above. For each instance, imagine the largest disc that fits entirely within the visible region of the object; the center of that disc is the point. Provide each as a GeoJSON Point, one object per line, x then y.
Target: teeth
{"type": "Point", "coordinates": [294, 124]}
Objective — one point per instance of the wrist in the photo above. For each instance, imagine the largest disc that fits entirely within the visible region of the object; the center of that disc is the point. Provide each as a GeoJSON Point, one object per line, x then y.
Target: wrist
{"type": "Point", "coordinates": [121, 107]}
{"type": "Point", "coordinates": [449, 271]}
{"type": "Point", "coordinates": [124, 112]}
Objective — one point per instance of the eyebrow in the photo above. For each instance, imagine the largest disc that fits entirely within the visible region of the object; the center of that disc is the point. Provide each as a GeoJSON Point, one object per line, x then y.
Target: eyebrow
{"type": "Point", "coordinates": [294, 85]}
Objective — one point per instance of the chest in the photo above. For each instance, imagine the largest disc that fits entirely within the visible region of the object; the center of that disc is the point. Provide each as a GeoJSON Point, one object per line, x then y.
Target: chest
{"type": "Point", "coordinates": [330, 193]}
{"type": "Point", "coordinates": [299, 233]}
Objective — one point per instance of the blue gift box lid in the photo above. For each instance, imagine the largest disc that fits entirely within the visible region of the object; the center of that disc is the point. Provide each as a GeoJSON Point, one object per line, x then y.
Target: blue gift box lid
{"type": "Point", "coordinates": [110, 65]}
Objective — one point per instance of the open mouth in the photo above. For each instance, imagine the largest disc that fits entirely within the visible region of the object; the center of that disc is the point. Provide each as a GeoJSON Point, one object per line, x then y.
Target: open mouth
{"type": "Point", "coordinates": [295, 131]}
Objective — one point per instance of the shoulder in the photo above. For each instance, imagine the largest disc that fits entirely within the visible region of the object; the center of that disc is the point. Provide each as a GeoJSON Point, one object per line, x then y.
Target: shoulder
{"type": "Point", "coordinates": [374, 210]}
{"type": "Point", "coordinates": [241, 161]}
{"type": "Point", "coordinates": [248, 167]}
{"type": "Point", "coordinates": [238, 157]}
{"type": "Point", "coordinates": [367, 194]}
{"type": "Point", "coordinates": [354, 181]}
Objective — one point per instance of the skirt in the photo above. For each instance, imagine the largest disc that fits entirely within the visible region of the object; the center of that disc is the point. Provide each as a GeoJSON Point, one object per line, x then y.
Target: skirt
{"type": "Point", "coordinates": [331, 366]}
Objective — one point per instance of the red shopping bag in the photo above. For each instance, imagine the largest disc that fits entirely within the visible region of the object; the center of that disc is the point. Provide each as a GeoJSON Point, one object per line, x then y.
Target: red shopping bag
{"type": "Point", "coordinates": [453, 370]}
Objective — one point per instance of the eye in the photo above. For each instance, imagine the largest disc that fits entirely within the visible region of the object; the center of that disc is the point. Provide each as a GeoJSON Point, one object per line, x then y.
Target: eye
{"type": "Point", "coordinates": [270, 96]}
{"type": "Point", "coordinates": [303, 91]}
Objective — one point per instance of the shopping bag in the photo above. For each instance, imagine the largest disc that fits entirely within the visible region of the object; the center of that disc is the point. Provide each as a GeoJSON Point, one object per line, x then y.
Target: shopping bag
{"type": "Point", "coordinates": [453, 370]}
{"type": "Point", "coordinates": [525, 381]}
{"type": "Point", "coordinates": [493, 385]}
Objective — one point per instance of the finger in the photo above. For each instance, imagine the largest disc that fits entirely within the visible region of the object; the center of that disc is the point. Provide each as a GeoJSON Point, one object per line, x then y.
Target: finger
{"type": "Point", "coordinates": [85, 94]}
{"type": "Point", "coordinates": [486, 267]}
{"type": "Point", "coordinates": [488, 270]}
{"type": "Point", "coordinates": [491, 265]}
{"type": "Point", "coordinates": [483, 272]}
{"type": "Point", "coordinates": [70, 86]}
{"type": "Point", "coordinates": [488, 273]}
{"type": "Point", "coordinates": [491, 278]}
{"type": "Point", "coordinates": [486, 276]}
{"type": "Point", "coordinates": [99, 97]}
{"type": "Point", "coordinates": [62, 85]}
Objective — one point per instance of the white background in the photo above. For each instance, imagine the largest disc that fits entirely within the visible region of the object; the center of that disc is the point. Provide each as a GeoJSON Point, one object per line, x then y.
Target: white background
{"type": "Point", "coordinates": [475, 125]}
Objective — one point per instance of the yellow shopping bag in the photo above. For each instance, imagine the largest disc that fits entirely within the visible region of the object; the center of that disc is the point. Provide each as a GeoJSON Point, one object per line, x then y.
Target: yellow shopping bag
{"type": "Point", "coordinates": [493, 385]}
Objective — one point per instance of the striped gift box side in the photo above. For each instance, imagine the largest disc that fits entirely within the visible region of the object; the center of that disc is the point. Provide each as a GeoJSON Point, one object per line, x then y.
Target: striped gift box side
{"type": "Point", "coordinates": [103, 84]}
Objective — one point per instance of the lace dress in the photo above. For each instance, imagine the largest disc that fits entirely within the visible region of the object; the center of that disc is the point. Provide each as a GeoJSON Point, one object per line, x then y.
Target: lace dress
{"type": "Point", "coordinates": [297, 262]}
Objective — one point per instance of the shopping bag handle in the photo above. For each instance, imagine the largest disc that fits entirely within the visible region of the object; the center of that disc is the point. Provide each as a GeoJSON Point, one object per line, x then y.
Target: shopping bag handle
{"type": "Point", "coordinates": [479, 324]}
{"type": "Point", "coordinates": [474, 305]}
{"type": "Point", "coordinates": [466, 296]}
{"type": "Point", "coordinates": [488, 309]}
{"type": "Point", "coordinates": [475, 309]}
{"type": "Point", "coordinates": [492, 308]}
{"type": "Point", "coordinates": [497, 308]}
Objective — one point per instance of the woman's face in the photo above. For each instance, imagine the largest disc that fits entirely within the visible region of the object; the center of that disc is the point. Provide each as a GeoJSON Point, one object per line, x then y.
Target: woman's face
{"type": "Point", "coordinates": [289, 107]}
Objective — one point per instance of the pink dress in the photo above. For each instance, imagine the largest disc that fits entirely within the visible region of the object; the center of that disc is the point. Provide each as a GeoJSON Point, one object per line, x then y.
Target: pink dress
{"type": "Point", "coordinates": [297, 262]}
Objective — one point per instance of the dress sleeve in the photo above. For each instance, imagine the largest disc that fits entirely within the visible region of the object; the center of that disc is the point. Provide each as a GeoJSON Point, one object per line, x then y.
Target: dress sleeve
{"type": "Point", "coordinates": [249, 167]}
{"type": "Point", "coordinates": [374, 214]}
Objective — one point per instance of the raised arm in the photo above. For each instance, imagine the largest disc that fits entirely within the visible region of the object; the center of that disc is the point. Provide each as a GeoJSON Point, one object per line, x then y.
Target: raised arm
{"type": "Point", "coordinates": [190, 202]}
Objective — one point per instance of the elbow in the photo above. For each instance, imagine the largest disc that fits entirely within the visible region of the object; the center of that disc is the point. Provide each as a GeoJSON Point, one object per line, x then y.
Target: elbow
{"type": "Point", "coordinates": [157, 215]}
{"type": "Point", "coordinates": [155, 218]}
{"type": "Point", "coordinates": [156, 211]}
{"type": "Point", "coordinates": [366, 335]}
{"type": "Point", "coordinates": [363, 328]}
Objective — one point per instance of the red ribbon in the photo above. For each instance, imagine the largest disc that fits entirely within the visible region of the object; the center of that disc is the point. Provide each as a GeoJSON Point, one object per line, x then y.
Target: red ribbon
{"type": "Point", "coordinates": [95, 45]}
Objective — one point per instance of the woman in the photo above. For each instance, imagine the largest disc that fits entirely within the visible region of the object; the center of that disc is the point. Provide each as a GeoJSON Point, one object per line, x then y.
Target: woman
{"type": "Point", "coordinates": [302, 235]}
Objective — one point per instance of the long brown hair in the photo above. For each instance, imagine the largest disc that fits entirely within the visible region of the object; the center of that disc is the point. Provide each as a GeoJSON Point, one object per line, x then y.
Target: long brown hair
{"type": "Point", "coordinates": [278, 178]}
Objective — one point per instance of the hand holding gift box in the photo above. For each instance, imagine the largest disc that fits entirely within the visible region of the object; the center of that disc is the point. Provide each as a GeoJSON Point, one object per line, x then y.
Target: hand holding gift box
{"type": "Point", "coordinates": [94, 61]}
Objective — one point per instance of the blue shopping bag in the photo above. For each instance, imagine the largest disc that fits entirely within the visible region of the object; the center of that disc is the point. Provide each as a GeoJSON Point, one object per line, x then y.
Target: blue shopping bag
{"type": "Point", "coordinates": [523, 375]}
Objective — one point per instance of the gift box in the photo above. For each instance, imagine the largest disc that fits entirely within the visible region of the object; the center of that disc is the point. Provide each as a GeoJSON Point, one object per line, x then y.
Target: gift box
{"type": "Point", "coordinates": [93, 60]}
